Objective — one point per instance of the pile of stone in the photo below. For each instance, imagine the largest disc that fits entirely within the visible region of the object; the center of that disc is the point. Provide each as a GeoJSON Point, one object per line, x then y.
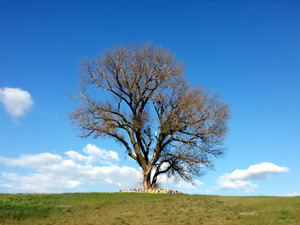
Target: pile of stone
{"type": "Point", "coordinates": [152, 190]}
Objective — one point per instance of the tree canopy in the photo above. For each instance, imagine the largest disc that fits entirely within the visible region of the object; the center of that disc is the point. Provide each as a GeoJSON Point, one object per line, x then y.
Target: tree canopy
{"type": "Point", "coordinates": [138, 95]}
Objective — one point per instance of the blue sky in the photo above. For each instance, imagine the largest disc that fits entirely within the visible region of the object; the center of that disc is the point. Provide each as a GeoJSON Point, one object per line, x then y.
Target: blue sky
{"type": "Point", "coordinates": [247, 51]}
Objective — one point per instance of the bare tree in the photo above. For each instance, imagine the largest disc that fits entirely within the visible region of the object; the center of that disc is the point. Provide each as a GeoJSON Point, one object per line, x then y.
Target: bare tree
{"type": "Point", "coordinates": [138, 96]}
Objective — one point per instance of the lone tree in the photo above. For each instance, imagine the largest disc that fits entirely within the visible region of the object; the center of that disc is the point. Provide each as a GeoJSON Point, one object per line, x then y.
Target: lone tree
{"type": "Point", "coordinates": [137, 95]}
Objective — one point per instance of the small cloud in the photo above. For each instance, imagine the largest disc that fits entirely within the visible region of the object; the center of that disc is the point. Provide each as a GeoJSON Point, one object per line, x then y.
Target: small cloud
{"type": "Point", "coordinates": [241, 178]}
{"type": "Point", "coordinates": [97, 154]}
{"type": "Point", "coordinates": [94, 155]}
{"type": "Point", "coordinates": [225, 182]}
{"type": "Point", "coordinates": [76, 157]}
{"type": "Point", "coordinates": [16, 101]}
{"type": "Point", "coordinates": [257, 172]}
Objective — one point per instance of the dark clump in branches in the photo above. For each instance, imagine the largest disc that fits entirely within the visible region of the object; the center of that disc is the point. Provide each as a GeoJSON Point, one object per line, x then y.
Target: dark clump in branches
{"type": "Point", "coordinates": [138, 96]}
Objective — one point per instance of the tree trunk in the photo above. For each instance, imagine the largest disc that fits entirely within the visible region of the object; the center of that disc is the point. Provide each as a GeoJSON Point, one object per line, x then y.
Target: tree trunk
{"type": "Point", "coordinates": [147, 180]}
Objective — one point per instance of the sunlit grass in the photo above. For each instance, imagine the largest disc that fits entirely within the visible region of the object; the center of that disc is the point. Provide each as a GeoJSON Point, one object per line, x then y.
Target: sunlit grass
{"type": "Point", "coordinates": [139, 208]}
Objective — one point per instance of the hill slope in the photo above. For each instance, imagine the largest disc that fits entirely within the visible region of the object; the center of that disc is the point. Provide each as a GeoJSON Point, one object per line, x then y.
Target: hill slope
{"type": "Point", "coordinates": [139, 208]}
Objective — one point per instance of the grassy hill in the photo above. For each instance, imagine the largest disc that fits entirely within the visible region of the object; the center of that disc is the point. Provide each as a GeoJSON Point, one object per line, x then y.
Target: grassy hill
{"type": "Point", "coordinates": [139, 208]}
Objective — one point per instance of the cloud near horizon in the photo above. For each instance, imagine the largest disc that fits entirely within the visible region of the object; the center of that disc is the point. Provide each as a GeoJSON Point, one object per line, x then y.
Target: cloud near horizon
{"type": "Point", "coordinates": [242, 178]}
{"type": "Point", "coordinates": [75, 171]}
{"type": "Point", "coordinates": [54, 173]}
{"type": "Point", "coordinates": [16, 101]}
{"type": "Point", "coordinates": [291, 194]}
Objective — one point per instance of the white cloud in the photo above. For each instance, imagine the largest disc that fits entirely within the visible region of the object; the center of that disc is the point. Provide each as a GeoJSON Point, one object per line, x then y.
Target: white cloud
{"type": "Point", "coordinates": [260, 171]}
{"type": "Point", "coordinates": [17, 102]}
{"type": "Point", "coordinates": [37, 182]}
{"type": "Point", "coordinates": [97, 154]}
{"type": "Point", "coordinates": [241, 178]}
{"type": "Point", "coordinates": [76, 171]}
{"type": "Point", "coordinates": [225, 182]}
{"type": "Point", "coordinates": [33, 161]}
{"type": "Point", "coordinates": [76, 157]}
{"type": "Point", "coordinates": [53, 173]}
{"type": "Point", "coordinates": [94, 155]}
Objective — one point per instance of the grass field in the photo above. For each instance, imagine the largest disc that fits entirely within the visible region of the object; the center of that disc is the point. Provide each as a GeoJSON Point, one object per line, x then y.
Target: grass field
{"type": "Point", "coordinates": [139, 208]}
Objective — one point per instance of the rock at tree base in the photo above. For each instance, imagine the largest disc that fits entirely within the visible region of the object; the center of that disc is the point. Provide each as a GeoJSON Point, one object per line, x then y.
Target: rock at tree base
{"type": "Point", "coordinates": [152, 190]}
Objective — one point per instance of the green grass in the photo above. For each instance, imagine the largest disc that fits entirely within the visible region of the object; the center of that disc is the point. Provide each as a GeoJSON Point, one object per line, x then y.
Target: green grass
{"type": "Point", "coordinates": [139, 208]}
